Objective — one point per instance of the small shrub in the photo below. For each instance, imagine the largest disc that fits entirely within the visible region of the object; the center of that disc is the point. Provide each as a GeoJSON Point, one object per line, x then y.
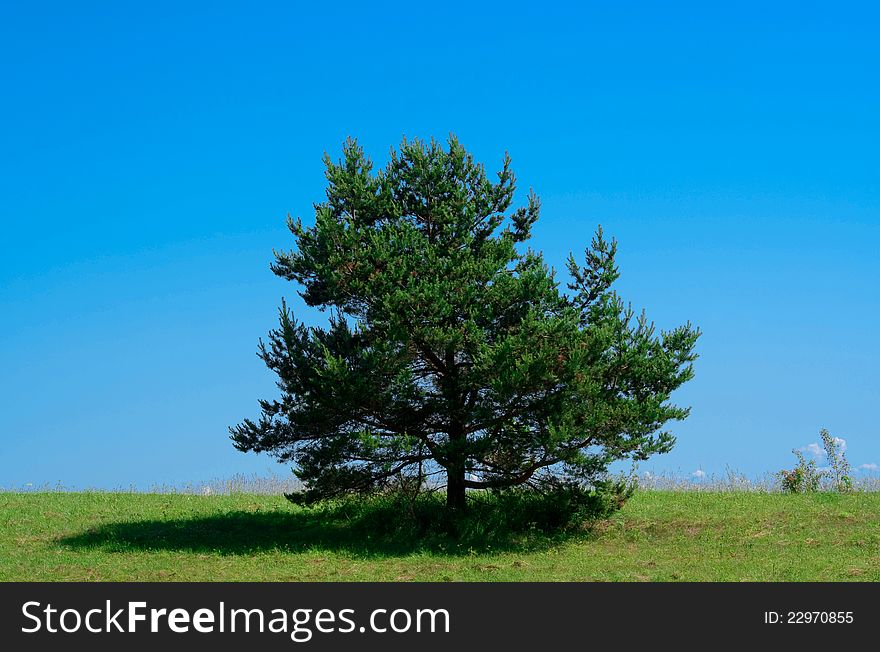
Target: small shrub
{"type": "Point", "coordinates": [803, 478]}
{"type": "Point", "coordinates": [564, 505]}
{"type": "Point", "coordinates": [806, 477]}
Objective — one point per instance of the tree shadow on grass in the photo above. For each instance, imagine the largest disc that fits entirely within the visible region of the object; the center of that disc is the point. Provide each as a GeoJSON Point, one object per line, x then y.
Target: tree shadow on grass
{"type": "Point", "coordinates": [361, 528]}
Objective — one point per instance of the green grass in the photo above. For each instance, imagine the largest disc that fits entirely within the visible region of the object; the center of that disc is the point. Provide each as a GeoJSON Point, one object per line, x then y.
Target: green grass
{"type": "Point", "coordinates": [686, 536]}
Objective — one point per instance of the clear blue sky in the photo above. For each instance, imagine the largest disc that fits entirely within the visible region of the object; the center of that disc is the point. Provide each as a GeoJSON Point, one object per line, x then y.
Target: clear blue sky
{"type": "Point", "coordinates": [150, 153]}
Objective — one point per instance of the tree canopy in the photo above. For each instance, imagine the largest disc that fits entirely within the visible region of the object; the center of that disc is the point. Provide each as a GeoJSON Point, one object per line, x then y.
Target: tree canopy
{"type": "Point", "coordinates": [451, 354]}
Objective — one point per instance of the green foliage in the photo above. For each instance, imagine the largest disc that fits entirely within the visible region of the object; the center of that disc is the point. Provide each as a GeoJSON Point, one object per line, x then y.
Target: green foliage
{"type": "Point", "coordinates": [451, 355]}
{"type": "Point", "coordinates": [803, 478]}
{"type": "Point", "coordinates": [499, 519]}
{"type": "Point", "coordinates": [806, 477]}
{"type": "Point", "coordinates": [565, 505]}
{"type": "Point", "coordinates": [493, 517]}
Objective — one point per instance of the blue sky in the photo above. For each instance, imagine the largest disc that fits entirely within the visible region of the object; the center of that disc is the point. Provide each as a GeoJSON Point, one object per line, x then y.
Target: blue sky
{"type": "Point", "coordinates": [151, 153]}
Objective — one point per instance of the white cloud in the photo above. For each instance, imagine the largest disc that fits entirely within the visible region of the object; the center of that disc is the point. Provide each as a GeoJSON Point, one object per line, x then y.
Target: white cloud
{"type": "Point", "coordinates": [699, 474]}
{"type": "Point", "coordinates": [870, 468]}
{"type": "Point", "coordinates": [813, 449]}
{"type": "Point", "coordinates": [818, 451]}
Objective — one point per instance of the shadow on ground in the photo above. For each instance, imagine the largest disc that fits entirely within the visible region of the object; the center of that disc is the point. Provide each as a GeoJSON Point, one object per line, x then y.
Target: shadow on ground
{"type": "Point", "coordinates": [377, 532]}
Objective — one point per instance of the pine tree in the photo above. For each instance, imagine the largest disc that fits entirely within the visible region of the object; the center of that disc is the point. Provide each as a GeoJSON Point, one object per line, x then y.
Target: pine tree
{"type": "Point", "coordinates": [450, 352]}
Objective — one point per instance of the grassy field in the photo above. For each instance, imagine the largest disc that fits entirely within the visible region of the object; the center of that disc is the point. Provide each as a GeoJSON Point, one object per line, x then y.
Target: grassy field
{"type": "Point", "coordinates": [679, 536]}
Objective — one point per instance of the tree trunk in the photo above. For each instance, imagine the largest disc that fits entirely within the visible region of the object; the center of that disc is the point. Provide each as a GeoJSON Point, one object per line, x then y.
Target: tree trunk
{"type": "Point", "coordinates": [455, 490]}
{"type": "Point", "coordinates": [457, 456]}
